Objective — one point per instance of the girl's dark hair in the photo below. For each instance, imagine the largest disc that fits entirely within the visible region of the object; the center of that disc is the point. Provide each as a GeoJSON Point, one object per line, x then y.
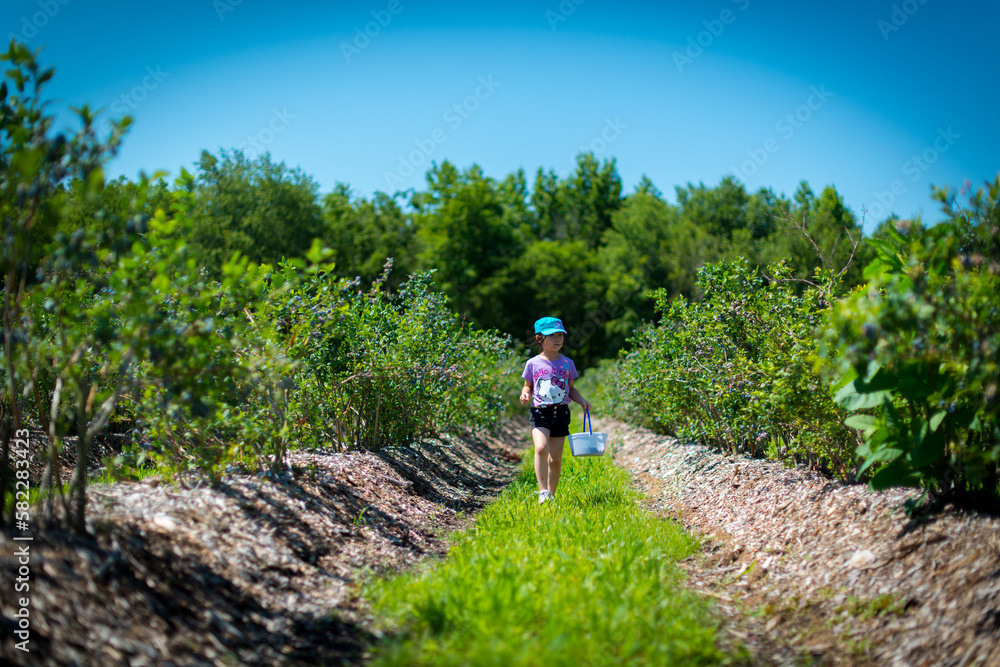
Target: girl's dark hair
{"type": "Point", "coordinates": [537, 342]}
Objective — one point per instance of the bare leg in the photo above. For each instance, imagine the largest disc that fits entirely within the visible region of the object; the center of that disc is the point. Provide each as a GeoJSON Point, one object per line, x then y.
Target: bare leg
{"type": "Point", "coordinates": [555, 461]}
{"type": "Point", "coordinates": [540, 436]}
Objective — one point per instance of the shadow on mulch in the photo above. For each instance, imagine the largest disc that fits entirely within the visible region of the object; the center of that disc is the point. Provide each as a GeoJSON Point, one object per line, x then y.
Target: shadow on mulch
{"type": "Point", "coordinates": [246, 572]}
{"type": "Point", "coordinates": [931, 511]}
{"type": "Point", "coordinates": [427, 471]}
{"type": "Point", "coordinates": [146, 591]}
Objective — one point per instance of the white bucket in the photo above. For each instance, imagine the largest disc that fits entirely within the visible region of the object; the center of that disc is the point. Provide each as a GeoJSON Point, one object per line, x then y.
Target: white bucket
{"type": "Point", "coordinates": [589, 443]}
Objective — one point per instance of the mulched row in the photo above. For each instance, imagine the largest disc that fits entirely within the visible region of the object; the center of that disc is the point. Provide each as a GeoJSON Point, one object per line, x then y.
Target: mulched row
{"type": "Point", "coordinates": [260, 569]}
{"type": "Point", "coordinates": [809, 570]}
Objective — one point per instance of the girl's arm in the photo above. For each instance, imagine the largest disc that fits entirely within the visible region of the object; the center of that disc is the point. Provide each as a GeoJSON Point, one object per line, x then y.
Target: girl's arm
{"type": "Point", "coordinates": [574, 395]}
{"type": "Point", "coordinates": [526, 391]}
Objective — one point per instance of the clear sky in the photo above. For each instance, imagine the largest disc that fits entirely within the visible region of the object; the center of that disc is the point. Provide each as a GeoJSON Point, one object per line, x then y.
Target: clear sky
{"type": "Point", "coordinates": [880, 99]}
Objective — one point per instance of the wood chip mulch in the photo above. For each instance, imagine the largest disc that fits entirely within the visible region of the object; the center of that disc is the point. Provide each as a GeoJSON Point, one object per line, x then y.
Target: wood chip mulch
{"type": "Point", "coordinates": [808, 570]}
{"type": "Point", "coordinates": [265, 569]}
{"type": "Point", "coordinates": [261, 569]}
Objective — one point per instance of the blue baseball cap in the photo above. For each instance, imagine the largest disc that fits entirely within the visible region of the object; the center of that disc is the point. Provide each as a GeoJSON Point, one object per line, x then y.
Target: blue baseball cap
{"type": "Point", "coordinates": [549, 325]}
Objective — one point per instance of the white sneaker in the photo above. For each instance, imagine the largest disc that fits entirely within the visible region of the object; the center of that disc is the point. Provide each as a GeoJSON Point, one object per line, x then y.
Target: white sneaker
{"type": "Point", "coordinates": [543, 496]}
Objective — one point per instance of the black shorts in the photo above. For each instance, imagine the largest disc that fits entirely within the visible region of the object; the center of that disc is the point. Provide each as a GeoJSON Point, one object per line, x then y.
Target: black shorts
{"type": "Point", "coordinates": [553, 417]}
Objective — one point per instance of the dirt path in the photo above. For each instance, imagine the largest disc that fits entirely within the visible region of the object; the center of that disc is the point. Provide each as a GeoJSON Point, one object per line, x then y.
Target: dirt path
{"type": "Point", "coordinates": [260, 570]}
{"type": "Point", "coordinates": [807, 570]}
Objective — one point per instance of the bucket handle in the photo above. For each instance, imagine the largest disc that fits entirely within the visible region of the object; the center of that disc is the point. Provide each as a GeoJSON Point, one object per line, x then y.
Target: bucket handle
{"type": "Point", "coordinates": [586, 421]}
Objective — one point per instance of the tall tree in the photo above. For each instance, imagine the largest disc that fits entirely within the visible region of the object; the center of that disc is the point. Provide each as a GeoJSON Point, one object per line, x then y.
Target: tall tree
{"type": "Point", "coordinates": [545, 202]}
{"type": "Point", "coordinates": [557, 278]}
{"type": "Point", "coordinates": [719, 210]}
{"type": "Point", "coordinates": [579, 207]}
{"type": "Point", "coordinates": [264, 210]}
{"type": "Point", "coordinates": [464, 234]}
{"type": "Point", "coordinates": [364, 233]}
{"type": "Point", "coordinates": [591, 196]}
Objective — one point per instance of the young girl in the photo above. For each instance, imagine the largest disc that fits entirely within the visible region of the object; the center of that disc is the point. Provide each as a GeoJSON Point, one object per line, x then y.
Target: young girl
{"type": "Point", "coordinates": [549, 378]}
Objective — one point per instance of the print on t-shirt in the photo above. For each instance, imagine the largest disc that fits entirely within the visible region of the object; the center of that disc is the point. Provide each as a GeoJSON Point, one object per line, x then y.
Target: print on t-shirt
{"type": "Point", "coordinates": [552, 390]}
{"type": "Point", "coordinates": [550, 380]}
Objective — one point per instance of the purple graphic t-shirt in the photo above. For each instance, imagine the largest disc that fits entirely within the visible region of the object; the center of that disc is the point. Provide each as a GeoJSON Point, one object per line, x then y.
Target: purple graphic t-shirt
{"type": "Point", "coordinates": [550, 380]}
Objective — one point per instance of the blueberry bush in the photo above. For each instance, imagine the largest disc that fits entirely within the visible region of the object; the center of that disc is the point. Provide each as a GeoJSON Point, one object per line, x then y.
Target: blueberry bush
{"type": "Point", "coordinates": [917, 348]}
{"type": "Point", "coordinates": [377, 368]}
{"type": "Point", "coordinates": [53, 316]}
{"type": "Point", "coordinates": [737, 369]}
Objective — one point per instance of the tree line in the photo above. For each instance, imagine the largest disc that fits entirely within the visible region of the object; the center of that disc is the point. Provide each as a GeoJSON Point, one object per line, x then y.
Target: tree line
{"type": "Point", "coordinates": [503, 251]}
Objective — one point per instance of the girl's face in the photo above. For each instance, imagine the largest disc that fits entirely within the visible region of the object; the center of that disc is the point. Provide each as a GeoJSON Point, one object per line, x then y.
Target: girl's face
{"type": "Point", "coordinates": [552, 342]}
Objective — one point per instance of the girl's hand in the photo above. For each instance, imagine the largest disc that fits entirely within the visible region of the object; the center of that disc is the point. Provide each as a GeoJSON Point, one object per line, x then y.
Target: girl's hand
{"type": "Point", "coordinates": [525, 397]}
{"type": "Point", "coordinates": [586, 405]}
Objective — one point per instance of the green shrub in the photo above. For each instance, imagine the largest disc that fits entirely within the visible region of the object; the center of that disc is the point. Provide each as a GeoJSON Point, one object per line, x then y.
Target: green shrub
{"type": "Point", "coordinates": [737, 369]}
{"type": "Point", "coordinates": [600, 385]}
{"type": "Point", "coordinates": [918, 347]}
{"type": "Point", "coordinates": [60, 334]}
{"type": "Point", "coordinates": [379, 368]}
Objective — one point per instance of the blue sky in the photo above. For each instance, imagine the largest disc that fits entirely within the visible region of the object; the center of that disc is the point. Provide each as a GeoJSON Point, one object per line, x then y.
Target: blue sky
{"type": "Point", "coordinates": [880, 99]}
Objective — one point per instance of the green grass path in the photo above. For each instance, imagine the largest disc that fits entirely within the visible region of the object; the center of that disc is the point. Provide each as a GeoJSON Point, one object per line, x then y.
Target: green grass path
{"type": "Point", "coordinates": [589, 579]}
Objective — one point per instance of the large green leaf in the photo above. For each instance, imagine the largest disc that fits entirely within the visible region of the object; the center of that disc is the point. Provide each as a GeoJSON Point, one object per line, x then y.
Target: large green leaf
{"type": "Point", "coordinates": [936, 419]}
{"type": "Point", "coordinates": [918, 431]}
{"type": "Point", "coordinates": [878, 437]}
{"type": "Point", "coordinates": [876, 268]}
{"type": "Point", "coordinates": [844, 379]}
{"type": "Point", "coordinates": [851, 399]}
{"type": "Point", "coordinates": [866, 423]}
{"type": "Point", "coordinates": [886, 252]}
{"type": "Point", "coordinates": [881, 379]}
{"type": "Point", "coordinates": [874, 453]}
